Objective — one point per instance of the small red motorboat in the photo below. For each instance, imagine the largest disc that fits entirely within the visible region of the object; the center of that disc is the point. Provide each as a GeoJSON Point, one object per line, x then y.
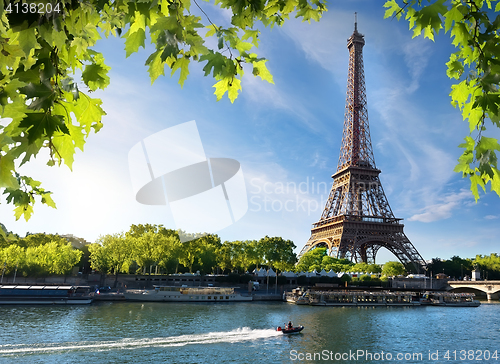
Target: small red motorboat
{"type": "Point", "coordinates": [290, 330]}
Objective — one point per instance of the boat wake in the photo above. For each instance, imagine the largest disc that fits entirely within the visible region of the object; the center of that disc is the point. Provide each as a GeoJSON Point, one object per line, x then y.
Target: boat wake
{"type": "Point", "coordinates": [238, 335]}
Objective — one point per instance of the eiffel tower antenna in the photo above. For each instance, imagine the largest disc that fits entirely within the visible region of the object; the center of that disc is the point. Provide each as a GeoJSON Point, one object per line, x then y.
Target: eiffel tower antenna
{"type": "Point", "coordinates": [357, 220]}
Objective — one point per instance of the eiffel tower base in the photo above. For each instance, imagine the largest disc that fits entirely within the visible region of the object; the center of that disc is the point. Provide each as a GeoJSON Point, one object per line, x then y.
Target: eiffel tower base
{"type": "Point", "coordinates": [358, 240]}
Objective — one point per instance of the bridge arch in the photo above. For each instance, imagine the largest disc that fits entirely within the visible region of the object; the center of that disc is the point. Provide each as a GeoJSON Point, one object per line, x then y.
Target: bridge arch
{"type": "Point", "coordinates": [491, 288]}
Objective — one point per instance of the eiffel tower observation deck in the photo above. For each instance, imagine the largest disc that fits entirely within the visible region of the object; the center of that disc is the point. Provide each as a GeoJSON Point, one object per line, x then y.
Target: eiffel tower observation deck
{"type": "Point", "coordinates": [357, 220]}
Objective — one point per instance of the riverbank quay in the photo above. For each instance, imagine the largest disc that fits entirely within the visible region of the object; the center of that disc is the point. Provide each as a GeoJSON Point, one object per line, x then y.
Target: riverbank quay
{"type": "Point", "coordinates": [320, 295]}
{"type": "Point", "coordinates": [246, 284]}
{"type": "Point", "coordinates": [122, 282]}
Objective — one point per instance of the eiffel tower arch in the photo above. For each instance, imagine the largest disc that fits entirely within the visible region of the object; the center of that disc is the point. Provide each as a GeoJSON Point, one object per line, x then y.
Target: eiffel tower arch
{"type": "Point", "coordinates": [357, 220]}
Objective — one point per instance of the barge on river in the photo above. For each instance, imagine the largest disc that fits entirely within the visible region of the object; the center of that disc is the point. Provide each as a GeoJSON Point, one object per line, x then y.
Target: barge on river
{"type": "Point", "coordinates": [186, 294]}
{"type": "Point", "coordinates": [451, 299]}
{"type": "Point", "coordinates": [317, 297]}
{"type": "Point", "coordinates": [44, 295]}
{"type": "Point", "coordinates": [354, 298]}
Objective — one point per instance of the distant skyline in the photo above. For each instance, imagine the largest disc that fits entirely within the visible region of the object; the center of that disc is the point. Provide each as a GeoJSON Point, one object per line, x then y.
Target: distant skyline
{"type": "Point", "coordinates": [286, 137]}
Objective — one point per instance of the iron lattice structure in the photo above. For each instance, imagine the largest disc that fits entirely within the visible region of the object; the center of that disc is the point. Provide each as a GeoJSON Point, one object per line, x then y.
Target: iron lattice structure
{"type": "Point", "coordinates": [357, 220]}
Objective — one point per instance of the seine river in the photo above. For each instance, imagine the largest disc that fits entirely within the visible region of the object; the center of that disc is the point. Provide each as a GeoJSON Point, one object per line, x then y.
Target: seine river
{"type": "Point", "coordinates": [245, 333]}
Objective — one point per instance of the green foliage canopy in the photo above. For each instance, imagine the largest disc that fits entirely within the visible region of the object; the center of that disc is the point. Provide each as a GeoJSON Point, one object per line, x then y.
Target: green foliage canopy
{"type": "Point", "coordinates": [45, 57]}
{"type": "Point", "coordinates": [489, 264]}
{"type": "Point", "coordinates": [393, 269]}
{"type": "Point", "coordinates": [455, 267]}
{"type": "Point", "coordinates": [51, 257]}
{"type": "Point", "coordinates": [473, 26]}
{"type": "Point", "coordinates": [147, 247]}
{"type": "Point", "coordinates": [318, 259]}
{"type": "Point", "coordinates": [278, 252]}
{"type": "Point", "coordinates": [240, 255]}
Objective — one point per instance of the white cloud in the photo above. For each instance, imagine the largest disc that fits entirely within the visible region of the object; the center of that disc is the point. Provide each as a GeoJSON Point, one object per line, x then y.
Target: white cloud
{"type": "Point", "coordinates": [319, 161]}
{"type": "Point", "coordinates": [444, 209]}
{"type": "Point", "coordinates": [263, 94]}
{"type": "Point", "coordinates": [491, 217]}
{"type": "Point", "coordinates": [416, 55]}
{"type": "Point", "coordinates": [322, 41]}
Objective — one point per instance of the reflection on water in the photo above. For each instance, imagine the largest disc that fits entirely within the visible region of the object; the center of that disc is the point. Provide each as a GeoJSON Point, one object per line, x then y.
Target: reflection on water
{"type": "Point", "coordinates": [236, 332]}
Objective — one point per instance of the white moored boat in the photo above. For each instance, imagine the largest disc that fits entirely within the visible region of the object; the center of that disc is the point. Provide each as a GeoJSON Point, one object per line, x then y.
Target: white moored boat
{"type": "Point", "coordinates": [186, 294]}
{"type": "Point", "coordinates": [44, 295]}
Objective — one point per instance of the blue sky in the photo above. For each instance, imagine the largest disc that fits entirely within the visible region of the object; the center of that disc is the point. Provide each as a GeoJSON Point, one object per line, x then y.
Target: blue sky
{"type": "Point", "coordinates": [286, 136]}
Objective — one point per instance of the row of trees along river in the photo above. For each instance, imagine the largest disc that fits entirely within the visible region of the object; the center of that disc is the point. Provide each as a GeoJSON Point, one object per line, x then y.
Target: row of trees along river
{"type": "Point", "coordinates": [153, 249]}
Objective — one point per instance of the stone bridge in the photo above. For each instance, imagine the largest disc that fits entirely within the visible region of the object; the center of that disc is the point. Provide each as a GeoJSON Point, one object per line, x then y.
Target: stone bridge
{"type": "Point", "coordinates": [491, 288]}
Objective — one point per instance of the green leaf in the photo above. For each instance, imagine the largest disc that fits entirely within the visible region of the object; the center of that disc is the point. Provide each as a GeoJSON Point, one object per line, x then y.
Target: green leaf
{"type": "Point", "coordinates": [473, 114]}
{"type": "Point", "coordinates": [216, 61]}
{"type": "Point", "coordinates": [139, 23]}
{"type": "Point", "coordinates": [431, 15]}
{"type": "Point", "coordinates": [272, 8]}
{"type": "Point", "coordinates": [308, 13]}
{"type": "Point", "coordinates": [231, 85]}
{"type": "Point", "coordinates": [80, 45]}
{"type": "Point", "coordinates": [243, 46]}
{"type": "Point", "coordinates": [42, 94]}
{"type": "Point", "coordinates": [12, 51]}
{"type": "Point", "coordinates": [15, 111]}
{"type": "Point", "coordinates": [47, 199]}
{"type": "Point", "coordinates": [260, 69]}
{"type": "Point", "coordinates": [461, 35]}
{"type": "Point", "coordinates": [6, 169]}
{"type": "Point", "coordinates": [134, 40]}
{"type": "Point", "coordinates": [29, 150]}
{"type": "Point", "coordinates": [489, 102]}
{"type": "Point", "coordinates": [40, 125]}
{"type": "Point", "coordinates": [212, 29]}
{"type": "Point", "coordinates": [156, 66]}
{"type": "Point", "coordinates": [88, 113]}
{"type": "Point", "coordinates": [254, 34]}
{"type": "Point", "coordinates": [288, 8]}
{"type": "Point", "coordinates": [65, 147]}
{"type": "Point", "coordinates": [183, 65]}
{"type": "Point", "coordinates": [393, 9]}
{"type": "Point", "coordinates": [469, 144]}
{"type": "Point", "coordinates": [454, 15]}
{"type": "Point", "coordinates": [495, 181]}
{"type": "Point", "coordinates": [233, 89]}
{"type": "Point", "coordinates": [486, 144]}
{"type": "Point", "coordinates": [96, 76]}
{"type": "Point", "coordinates": [25, 210]}
{"type": "Point", "coordinates": [69, 85]}
{"type": "Point", "coordinates": [455, 67]}
{"type": "Point", "coordinates": [27, 40]}
{"type": "Point", "coordinates": [460, 93]}
{"type": "Point", "coordinates": [495, 119]}
{"type": "Point", "coordinates": [9, 91]}
{"type": "Point", "coordinates": [476, 180]}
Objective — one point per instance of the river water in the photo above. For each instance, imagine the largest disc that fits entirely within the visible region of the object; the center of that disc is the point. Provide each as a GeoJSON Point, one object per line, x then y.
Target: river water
{"type": "Point", "coordinates": [130, 332]}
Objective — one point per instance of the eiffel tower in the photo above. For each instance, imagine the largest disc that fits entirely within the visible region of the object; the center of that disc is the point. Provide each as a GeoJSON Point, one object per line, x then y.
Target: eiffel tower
{"type": "Point", "coordinates": [357, 220]}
